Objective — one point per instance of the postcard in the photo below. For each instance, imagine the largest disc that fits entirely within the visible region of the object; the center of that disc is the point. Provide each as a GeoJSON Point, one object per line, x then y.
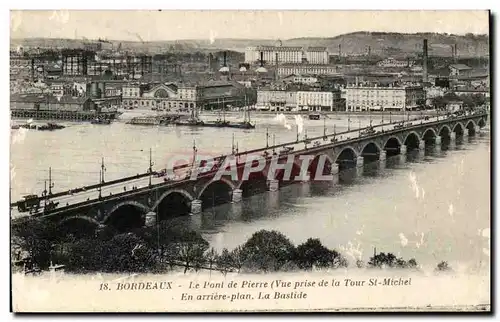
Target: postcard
{"type": "Point", "coordinates": [250, 161]}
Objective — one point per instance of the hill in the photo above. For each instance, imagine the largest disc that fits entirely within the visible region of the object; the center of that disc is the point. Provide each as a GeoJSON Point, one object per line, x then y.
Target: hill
{"type": "Point", "coordinates": [356, 43]}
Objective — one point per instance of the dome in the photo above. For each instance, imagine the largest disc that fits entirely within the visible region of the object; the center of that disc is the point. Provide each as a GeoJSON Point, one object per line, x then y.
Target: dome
{"type": "Point", "coordinates": [261, 69]}
{"type": "Point", "coordinates": [224, 69]}
{"type": "Point", "coordinates": [243, 69]}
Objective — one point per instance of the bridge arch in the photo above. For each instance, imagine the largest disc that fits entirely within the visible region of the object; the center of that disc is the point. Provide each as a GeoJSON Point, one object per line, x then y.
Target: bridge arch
{"type": "Point", "coordinates": [471, 127]}
{"type": "Point", "coordinates": [346, 158]}
{"type": "Point", "coordinates": [429, 136]}
{"type": "Point", "coordinates": [216, 192]}
{"type": "Point", "coordinates": [78, 226]}
{"type": "Point", "coordinates": [370, 152]}
{"type": "Point", "coordinates": [126, 215]}
{"type": "Point", "coordinates": [459, 129]}
{"type": "Point", "coordinates": [392, 146]}
{"type": "Point", "coordinates": [412, 141]}
{"type": "Point", "coordinates": [444, 131]}
{"type": "Point", "coordinates": [173, 203]}
{"type": "Point", "coordinates": [482, 122]}
{"type": "Point", "coordinates": [320, 165]}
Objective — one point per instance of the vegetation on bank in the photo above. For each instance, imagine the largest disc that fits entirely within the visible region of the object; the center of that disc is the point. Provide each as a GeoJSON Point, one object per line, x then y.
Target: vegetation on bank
{"type": "Point", "coordinates": [37, 244]}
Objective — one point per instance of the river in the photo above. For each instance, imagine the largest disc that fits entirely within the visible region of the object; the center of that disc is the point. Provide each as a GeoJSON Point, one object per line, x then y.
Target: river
{"type": "Point", "coordinates": [432, 207]}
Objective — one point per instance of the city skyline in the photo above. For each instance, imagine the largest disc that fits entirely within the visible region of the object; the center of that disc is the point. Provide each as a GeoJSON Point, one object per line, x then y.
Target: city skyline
{"type": "Point", "coordinates": [266, 25]}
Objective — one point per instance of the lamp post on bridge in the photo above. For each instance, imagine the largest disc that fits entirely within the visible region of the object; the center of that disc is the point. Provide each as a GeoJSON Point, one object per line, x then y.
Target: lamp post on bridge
{"type": "Point", "coordinates": [101, 177]}
{"type": "Point", "coordinates": [324, 128]}
{"type": "Point", "coordinates": [348, 120]}
{"type": "Point", "coordinates": [51, 184]}
{"type": "Point", "coordinates": [103, 169]}
{"type": "Point", "coordinates": [151, 164]}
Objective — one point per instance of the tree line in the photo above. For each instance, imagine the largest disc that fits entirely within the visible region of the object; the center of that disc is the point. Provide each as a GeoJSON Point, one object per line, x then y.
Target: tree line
{"type": "Point", "coordinates": [37, 244]}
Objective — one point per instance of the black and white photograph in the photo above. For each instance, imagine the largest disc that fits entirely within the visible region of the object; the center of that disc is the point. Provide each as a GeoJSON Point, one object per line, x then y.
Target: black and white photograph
{"type": "Point", "coordinates": [249, 161]}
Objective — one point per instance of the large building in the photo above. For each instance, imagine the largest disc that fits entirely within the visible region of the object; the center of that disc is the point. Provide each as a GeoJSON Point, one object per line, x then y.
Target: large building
{"type": "Point", "coordinates": [169, 96]}
{"type": "Point", "coordinates": [391, 62]}
{"type": "Point", "coordinates": [312, 69]}
{"type": "Point", "coordinates": [20, 66]}
{"type": "Point", "coordinates": [367, 97]}
{"type": "Point", "coordinates": [317, 55]}
{"type": "Point", "coordinates": [276, 100]}
{"type": "Point", "coordinates": [285, 54]}
{"type": "Point", "coordinates": [283, 100]}
{"type": "Point", "coordinates": [318, 101]}
{"type": "Point", "coordinates": [50, 102]}
{"type": "Point", "coordinates": [460, 70]}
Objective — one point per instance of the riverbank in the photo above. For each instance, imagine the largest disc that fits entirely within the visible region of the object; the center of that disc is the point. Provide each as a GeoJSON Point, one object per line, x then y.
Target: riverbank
{"type": "Point", "coordinates": [260, 112]}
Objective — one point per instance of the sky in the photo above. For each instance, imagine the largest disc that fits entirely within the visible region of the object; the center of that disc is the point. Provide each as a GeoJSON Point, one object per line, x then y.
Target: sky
{"type": "Point", "coordinates": [171, 25]}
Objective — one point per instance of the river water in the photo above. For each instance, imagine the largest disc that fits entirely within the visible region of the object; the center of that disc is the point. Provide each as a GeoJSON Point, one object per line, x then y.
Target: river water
{"type": "Point", "coordinates": [431, 207]}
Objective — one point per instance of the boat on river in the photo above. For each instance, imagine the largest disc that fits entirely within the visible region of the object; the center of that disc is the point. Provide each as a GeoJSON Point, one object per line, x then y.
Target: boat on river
{"type": "Point", "coordinates": [100, 120]}
{"type": "Point", "coordinates": [246, 124]}
{"type": "Point", "coordinates": [39, 127]}
{"type": "Point", "coordinates": [314, 116]}
{"type": "Point", "coordinates": [154, 120]}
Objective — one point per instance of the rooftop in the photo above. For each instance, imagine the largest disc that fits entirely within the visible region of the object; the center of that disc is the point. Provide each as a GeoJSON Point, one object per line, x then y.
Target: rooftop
{"type": "Point", "coordinates": [460, 67]}
{"type": "Point", "coordinates": [44, 98]}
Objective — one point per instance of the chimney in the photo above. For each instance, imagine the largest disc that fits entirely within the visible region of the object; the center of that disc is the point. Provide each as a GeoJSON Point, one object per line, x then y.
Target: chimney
{"type": "Point", "coordinates": [340, 50]}
{"type": "Point", "coordinates": [369, 51]}
{"type": "Point", "coordinates": [456, 53]}
{"type": "Point", "coordinates": [424, 63]}
{"type": "Point", "coordinates": [225, 59]}
{"type": "Point", "coordinates": [261, 59]}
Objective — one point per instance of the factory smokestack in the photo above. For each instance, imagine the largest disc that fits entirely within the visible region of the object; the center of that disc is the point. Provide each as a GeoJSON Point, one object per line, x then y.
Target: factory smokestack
{"type": "Point", "coordinates": [261, 59]}
{"type": "Point", "coordinates": [225, 59]}
{"type": "Point", "coordinates": [340, 50]}
{"type": "Point", "coordinates": [456, 53]}
{"type": "Point", "coordinates": [424, 63]}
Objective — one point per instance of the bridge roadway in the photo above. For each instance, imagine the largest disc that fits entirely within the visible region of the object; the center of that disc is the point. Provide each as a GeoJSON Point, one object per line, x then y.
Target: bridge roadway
{"type": "Point", "coordinates": [130, 186]}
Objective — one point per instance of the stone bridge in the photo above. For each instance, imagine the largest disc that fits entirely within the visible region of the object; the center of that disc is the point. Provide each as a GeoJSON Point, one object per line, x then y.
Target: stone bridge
{"type": "Point", "coordinates": [137, 207]}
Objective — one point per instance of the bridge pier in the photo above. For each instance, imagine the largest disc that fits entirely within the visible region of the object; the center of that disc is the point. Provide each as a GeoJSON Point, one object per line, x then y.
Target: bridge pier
{"type": "Point", "coordinates": [402, 153]}
{"type": "Point", "coordinates": [274, 185]}
{"type": "Point", "coordinates": [360, 166]}
{"type": "Point", "coordinates": [151, 219]}
{"type": "Point", "coordinates": [237, 195]}
{"type": "Point", "coordinates": [195, 207]}
{"type": "Point", "coordinates": [453, 140]}
{"type": "Point", "coordinates": [453, 136]}
{"type": "Point", "coordinates": [421, 144]}
{"type": "Point", "coordinates": [437, 140]}
{"type": "Point", "coordinates": [383, 155]}
{"type": "Point", "coordinates": [477, 129]}
{"type": "Point", "coordinates": [335, 173]}
{"type": "Point", "coordinates": [402, 149]}
{"type": "Point", "coordinates": [382, 160]}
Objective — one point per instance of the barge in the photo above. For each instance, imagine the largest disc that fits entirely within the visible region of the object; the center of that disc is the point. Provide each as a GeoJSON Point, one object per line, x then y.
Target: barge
{"type": "Point", "coordinates": [39, 127]}
{"type": "Point", "coordinates": [153, 120]}
{"type": "Point", "coordinates": [62, 115]}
